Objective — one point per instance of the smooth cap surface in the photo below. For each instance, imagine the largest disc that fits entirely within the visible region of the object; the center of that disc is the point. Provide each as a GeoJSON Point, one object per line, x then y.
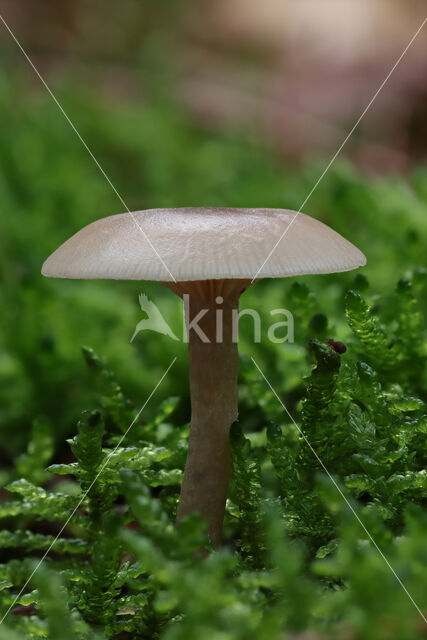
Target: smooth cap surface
{"type": "Point", "coordinates": [202, 243]}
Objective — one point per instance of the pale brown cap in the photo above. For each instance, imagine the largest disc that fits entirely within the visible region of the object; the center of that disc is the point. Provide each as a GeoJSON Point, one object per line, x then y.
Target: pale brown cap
{"type": "Point", "coordinates": [202, 243]}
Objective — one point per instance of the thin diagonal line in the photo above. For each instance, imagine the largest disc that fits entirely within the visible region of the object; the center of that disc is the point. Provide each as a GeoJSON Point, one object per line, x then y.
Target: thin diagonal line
{"type": "Point", "coordinates": [72, 125]}
{"type": "Point", "coordinates": [340, 148]}
{"type": "Point", "coordinates": [338, 488]}
{"type": "Point", "coordinates": [89, 488]}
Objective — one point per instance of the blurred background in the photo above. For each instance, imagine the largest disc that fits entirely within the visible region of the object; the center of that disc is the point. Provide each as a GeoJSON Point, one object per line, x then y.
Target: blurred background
{"type": "Point", "coordinates": [297, 73]}
{"type": "Point", "coordinates": [225, 102]}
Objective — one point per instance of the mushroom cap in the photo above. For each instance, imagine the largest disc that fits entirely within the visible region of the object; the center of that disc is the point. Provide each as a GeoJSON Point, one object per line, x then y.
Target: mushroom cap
{"type": "Point", "coordinates": [202, 243]}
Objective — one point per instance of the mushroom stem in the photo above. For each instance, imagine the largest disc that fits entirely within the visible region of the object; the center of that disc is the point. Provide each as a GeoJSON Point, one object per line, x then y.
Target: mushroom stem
{"type": "Point", "coordinates": [213, 367]}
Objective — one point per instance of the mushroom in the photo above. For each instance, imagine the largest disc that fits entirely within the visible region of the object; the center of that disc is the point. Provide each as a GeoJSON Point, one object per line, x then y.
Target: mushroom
{"type": "Point", "coordinates": [208, 256]}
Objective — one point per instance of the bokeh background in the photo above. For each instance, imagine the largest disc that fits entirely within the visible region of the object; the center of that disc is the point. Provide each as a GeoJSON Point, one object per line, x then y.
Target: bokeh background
{"type": "Point", "coordinates": [223, 103]}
